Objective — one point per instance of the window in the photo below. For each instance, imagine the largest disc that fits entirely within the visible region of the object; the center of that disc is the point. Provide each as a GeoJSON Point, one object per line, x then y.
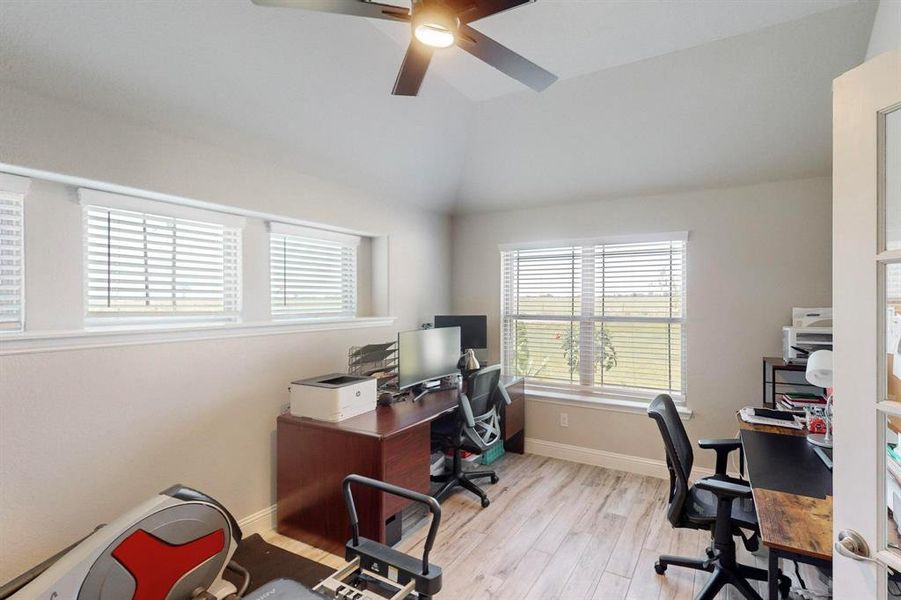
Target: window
{"type": "Point", "coordinates": [604, 318]}
{"type": "Point", "coordinates": [12, 252]}
{"type": "Point", "coordinates": [313, 273]}
{"type": "Point", "coordinates": [152, 265]}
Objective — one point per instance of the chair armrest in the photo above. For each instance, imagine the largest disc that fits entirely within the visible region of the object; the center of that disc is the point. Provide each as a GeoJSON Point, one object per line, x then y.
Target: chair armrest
{"type": "Point", "coordinates": [722, 447]}
{"type": "Point", "coordinates": [726, 444]}
{"type": "Point", "coordinates": [724, 489]}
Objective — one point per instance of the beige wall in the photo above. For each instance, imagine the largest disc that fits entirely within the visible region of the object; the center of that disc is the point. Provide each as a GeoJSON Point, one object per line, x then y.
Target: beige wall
{"type": "Point", "coordinates": [86, 434]}
{"type": "Point", "coordinates": [753, 253]}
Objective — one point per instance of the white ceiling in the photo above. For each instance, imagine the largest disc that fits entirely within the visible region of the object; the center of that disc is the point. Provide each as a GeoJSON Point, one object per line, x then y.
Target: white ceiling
{"type": "Point", "coordinates": [576, 37]}
{"type": "Point", "coordinates": [742, 110]}
{"type": "Point", "coordinates": [648, 99]}
{"type": "Point", "coordinates": [315, 91]}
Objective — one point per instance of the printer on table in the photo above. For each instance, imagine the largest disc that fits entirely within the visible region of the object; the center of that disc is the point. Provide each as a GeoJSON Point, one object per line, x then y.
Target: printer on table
{"type": "Point", "coordinates": [333, 397]}
{"type": "Point", "coordinates": [811, 330]}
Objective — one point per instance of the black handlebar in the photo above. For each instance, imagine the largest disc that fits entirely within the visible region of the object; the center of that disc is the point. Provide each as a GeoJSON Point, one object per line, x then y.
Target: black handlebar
{"type": "Point", "coordinates": [395, 490]}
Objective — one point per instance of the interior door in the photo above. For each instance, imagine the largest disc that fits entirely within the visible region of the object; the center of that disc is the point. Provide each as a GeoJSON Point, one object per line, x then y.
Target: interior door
{"type": "Point", "coordinates": [867, 310]}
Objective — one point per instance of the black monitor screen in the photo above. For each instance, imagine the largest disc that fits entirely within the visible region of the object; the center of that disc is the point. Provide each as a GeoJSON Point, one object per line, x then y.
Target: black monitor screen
{"type": "Point", "coordinates": [426, 354]}
{"type": "Point", "coordinates": [473, 329]}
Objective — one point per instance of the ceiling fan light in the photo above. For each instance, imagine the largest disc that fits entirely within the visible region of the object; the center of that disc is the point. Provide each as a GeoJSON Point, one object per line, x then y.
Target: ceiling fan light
{"type": "Point", "coordinates": [434, 35]}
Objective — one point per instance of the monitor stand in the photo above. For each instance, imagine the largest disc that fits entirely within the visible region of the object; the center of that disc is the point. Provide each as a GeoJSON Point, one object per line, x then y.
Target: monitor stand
{"type": "Point", "coordinates": [424, 389]}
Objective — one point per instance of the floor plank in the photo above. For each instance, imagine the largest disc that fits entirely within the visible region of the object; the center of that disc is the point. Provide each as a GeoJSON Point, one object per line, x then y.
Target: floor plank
{"type": "Point", "coordinates": [559, 530]}
{"type": "Point", "coordinates": [611, 587]}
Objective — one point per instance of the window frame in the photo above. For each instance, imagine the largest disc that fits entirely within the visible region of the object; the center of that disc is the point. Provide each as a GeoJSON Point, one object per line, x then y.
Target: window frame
{"type": "Point", "coordinates": [312, 236]}
{"type": "Point", "coordinates": [90, 198]}
{"type": "Point", "coordinates": [627, 399]}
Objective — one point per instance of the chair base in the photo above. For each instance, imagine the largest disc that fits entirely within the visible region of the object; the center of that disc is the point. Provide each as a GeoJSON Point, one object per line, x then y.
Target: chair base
{"type": "Point", "coordinates": [460, 478]}
{"type": "Point", "coordinates": [723, 572]}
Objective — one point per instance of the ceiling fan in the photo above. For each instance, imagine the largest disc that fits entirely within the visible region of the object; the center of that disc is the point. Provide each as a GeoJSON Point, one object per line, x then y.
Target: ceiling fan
{"type": "Point", "coordinates": [437, 24]}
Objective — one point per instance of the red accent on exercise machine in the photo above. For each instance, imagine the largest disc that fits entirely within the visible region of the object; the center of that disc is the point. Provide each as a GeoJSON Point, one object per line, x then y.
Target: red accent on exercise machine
{"type": "Point", "coordinates": [157, 566]}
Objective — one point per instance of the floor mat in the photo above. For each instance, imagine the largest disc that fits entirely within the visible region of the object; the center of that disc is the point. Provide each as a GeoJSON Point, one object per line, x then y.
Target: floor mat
{"type": "Point", "coordinates": [266, 562]}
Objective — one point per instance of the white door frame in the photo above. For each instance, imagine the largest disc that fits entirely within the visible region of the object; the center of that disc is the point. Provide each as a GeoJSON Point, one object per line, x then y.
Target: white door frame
{"type": "Point", "coordinates": [859, 360]}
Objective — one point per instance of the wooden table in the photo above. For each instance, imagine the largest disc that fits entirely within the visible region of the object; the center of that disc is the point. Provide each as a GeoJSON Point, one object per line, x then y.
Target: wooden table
{"type": "Point", "coordinates": [792, 492]}
{"type": "Point", "coordinates": [391, 443]}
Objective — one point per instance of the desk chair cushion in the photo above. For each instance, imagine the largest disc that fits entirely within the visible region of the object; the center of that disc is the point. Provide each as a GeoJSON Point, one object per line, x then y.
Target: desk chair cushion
{"type": "Point", "coordinates": [700, 508]}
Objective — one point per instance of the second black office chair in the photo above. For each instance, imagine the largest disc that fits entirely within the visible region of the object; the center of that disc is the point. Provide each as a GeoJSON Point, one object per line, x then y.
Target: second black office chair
{"type": "Point", "coordinates": [474, 428]}
{"type": "Point", "coordinates": [719, 504]}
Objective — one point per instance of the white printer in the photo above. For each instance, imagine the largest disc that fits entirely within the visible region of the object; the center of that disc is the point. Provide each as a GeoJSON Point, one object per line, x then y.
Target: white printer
{"type": "Point", "coordinates": [333, 397]}
{"type": "Point", "coordinates": [811, 330]}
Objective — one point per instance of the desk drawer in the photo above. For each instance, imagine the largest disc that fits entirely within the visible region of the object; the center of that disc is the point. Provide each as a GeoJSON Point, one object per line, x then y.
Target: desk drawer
{"type": "Point", "coordinates": [405, 462]}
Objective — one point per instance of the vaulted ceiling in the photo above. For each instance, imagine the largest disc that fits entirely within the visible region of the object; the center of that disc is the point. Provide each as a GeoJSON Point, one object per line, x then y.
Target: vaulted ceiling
{"type": "Point", "coordinates": [653, 95]}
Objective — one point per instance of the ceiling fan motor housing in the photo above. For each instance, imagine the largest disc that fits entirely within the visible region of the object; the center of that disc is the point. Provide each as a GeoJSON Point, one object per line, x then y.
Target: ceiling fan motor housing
{"type": "Point", "coordinates": [434, 14]}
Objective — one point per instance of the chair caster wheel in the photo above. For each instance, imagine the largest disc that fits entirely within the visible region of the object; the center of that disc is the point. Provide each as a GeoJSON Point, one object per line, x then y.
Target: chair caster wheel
{"type": "Point", "coordinates": [495, 479]}
{"type": "Point", "coordinates": [660, 569]}
{"type": "Point", "coordinates": [485, 502]}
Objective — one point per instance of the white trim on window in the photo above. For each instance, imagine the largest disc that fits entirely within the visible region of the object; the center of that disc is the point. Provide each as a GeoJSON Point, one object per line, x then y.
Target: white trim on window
{"type": "Point", "coordinates": [563, 302]}
{"type": "Point", "coordinates": [637, 238]}
{"type": "Point", "coordinates": [598, 403]}
{"type": "Point", "coordinates": [172, 199]}
{"type": "Point", "coordinates": [345, 239]}
{"type": "Point", "coordinates": [147, 264]}
{"type": "Point", "coordinates": [107, 337]}
{"type": "Point", "coordinates": [14, 183]}
{"type": "Point", "coordinates": [90, 197]}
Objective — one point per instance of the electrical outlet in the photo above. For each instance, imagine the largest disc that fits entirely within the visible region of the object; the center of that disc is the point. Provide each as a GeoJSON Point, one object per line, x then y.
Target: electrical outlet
{"type": "Point", "coordinates": [564, 419]}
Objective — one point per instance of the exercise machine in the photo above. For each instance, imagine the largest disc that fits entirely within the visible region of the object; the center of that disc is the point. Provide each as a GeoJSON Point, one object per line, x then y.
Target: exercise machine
{"type": "Point", "coordinates": [178, 544]}
{"type": "Point", "coordinates": [175, 545]}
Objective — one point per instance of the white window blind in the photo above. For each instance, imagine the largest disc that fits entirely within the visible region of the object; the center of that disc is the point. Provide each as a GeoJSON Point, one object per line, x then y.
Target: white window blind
{"type": "Point", "coordinates": [607, 318]}
{"type": "Point", "coordinates": [313, 274]}
{"type": "Point", "coordinates": [12, 252]}
{"type": "Point", "coordinates": [141, 264]}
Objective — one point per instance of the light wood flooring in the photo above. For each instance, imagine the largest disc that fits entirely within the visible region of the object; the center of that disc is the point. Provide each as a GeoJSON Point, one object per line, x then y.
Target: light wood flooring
{"type": "Point", "coordinates": [557, 529]}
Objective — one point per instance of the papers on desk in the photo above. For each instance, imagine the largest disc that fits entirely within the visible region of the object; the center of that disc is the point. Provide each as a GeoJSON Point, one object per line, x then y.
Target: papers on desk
{"type": "Point", "coordinates": [748, 415]}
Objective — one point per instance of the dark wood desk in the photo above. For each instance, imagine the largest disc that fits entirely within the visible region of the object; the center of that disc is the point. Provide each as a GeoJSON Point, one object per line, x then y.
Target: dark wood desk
{"type": "Point", "coordinates": [391, 443]}
{"type": "Point", "coordinates": [792, 492]}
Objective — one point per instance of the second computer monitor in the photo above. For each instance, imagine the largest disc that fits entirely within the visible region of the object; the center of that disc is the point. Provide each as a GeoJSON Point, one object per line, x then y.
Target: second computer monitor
{"type": "Point", "coordinates": [427, 354]}
{"type": "Point", "coordinates": [473, 329]}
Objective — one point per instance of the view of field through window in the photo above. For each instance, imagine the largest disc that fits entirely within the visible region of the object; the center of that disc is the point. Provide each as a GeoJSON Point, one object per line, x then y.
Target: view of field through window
{"type": "Point", "coordinates": [598, 315]}
{"type": "Point", "coordinates": [147, 264]}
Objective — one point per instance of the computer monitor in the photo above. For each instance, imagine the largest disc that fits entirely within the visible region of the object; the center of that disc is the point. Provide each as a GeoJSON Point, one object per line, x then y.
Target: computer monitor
{"type": "Point", "coordinates": [427, 354]}
{"type": "Point", "coordinates": [473, 329]}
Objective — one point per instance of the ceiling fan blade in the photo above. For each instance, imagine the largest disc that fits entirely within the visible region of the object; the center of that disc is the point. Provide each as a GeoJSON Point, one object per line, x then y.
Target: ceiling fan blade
{"type": "Point", "coordinates": [412, 71]}
{"type": "Point", "coordinates": [473, 10]}
{"type": "Point", "coordinates": [357, 8]}
{"type": "Point", "coordinates": [503, 59]}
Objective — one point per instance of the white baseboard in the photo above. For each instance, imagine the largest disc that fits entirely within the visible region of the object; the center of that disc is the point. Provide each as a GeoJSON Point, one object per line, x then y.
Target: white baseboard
{"type": "Point", "coordinates": [258, 522]}
{"type": "Point", "coordinates": [650, 467]}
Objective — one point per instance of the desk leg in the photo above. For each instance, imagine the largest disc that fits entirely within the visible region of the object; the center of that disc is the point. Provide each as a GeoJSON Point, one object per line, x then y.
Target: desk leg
{"type": "Point", "coordinates": [773, 576]}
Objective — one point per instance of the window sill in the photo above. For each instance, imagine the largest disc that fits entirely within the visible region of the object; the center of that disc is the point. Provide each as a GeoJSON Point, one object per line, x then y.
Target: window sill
{"type": "Point", "coordinates": [637, 406]}
{"type": "Point", "coordinates": [131, 335]}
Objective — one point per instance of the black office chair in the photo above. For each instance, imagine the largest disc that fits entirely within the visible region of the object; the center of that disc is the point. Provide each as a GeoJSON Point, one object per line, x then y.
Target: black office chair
{"type": "Point", "coordinates": [475, 427]}
{"type": "Point", "coordinates": [720, 504]}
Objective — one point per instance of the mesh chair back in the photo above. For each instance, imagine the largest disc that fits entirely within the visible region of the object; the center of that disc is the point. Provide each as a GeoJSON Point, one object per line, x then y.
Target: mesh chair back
{"type": "Point", "coordinates": [679, 455]}
{"type": "Point", "coordinates": [484, 401]}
